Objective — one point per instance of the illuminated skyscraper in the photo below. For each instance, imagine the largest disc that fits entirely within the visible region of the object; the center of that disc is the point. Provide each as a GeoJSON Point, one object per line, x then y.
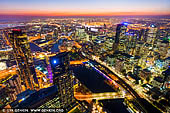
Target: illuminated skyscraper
{"type": "Point", "coordinates": [55, 34]}
{"type": "Point", "coordinates": [152, 33]}
{"type": "Point", "coordinates": [131, 44]}
{"type": "Point", "coordinates": [24, 59]}
{"type": "Point", "coordinates": [62, 77]}
{"type": "Point", "coordinates": [143, 33]}
{"type": "Point", "coordinates": [120, 38]}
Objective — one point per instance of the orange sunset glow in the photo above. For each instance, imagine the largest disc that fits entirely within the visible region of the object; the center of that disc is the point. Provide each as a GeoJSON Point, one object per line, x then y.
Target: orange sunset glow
{"type": "Point", "coordinates": [49, 13]}
{"type": "Point", "coordinates": [84, 8]}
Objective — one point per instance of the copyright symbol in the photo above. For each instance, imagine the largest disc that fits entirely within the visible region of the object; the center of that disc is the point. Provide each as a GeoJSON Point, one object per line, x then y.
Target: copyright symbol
{"type": "Point", "coordinates": [3, 110]}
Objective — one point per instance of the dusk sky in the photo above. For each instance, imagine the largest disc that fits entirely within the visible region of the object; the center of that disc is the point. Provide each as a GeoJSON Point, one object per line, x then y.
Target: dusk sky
{"type": "Point", "coordinates": [84, 7]}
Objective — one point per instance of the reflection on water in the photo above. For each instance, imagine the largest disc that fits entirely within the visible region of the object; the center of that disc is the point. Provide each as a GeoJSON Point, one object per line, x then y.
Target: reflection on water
{"type": "Point", "coordinates": [91, 79]}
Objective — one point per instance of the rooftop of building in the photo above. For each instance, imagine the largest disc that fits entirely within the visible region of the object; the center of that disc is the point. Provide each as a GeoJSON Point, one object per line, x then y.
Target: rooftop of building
{"type": "Point", "coordinates": [126, 55]}
{"type": "Point", "coordinates": [38, 96]}
{"type": "Point", "coordinates": [40, 41]}
{"type": "Point", "coordinates": [54, 48]}
{"type": "Point", "coordinates": [24, 94]}
{"type": "Point", "coordinates": [35, 48]}
{"type": "Point", "coordinates": [159, 79]}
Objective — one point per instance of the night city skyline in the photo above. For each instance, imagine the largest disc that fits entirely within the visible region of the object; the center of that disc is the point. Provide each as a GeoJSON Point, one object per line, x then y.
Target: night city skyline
{"type": "Point", "coordinates": [85, 56]}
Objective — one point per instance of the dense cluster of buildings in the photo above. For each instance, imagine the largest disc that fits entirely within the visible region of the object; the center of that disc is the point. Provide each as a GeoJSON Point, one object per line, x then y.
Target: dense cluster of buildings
{"type": "Point", "coordinates": [139, 52]}
{"type": "Point", "coordinates": [35, 59]}
{"type": "Point", "coordinates": [40, 76]}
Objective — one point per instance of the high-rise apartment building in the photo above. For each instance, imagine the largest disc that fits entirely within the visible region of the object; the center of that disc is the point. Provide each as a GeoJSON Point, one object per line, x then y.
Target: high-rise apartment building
{"type": "Point", "coordinates": [24, 59]}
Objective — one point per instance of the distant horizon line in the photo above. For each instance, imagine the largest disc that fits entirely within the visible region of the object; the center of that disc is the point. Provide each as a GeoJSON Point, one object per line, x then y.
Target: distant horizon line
{"type": "Point", "coordinates": [77, 15]}
{"type": "Point", "coordinates": [46, 13]}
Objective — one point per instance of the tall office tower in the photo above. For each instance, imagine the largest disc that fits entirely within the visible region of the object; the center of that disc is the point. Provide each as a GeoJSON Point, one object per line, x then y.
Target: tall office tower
{"type": "Point", "coordinates": [138, 49]}
{"type": "Point", "coordinates": [62, 77]}
{"type": "Point", "coordinates": [120, 38]}
{"type": "Point", "coordinates": [163, 48]}
{"type": "Point", "coordinates": [163, 32]}
{"type": "Point", "coordinates": [55, 34]}
{"type": "Point", "coordinates": [143, 35]}
{"type": "Point", "coordinates": [24, 59]}
{"type": "Point", "coordinates": [131, 44]}
{"type": "Point", "coordinates": [152, 34]}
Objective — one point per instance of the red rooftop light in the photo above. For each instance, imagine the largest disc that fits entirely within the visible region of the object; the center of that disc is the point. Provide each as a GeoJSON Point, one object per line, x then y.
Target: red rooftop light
{"type": "Point", "coordinates": [16, 30]}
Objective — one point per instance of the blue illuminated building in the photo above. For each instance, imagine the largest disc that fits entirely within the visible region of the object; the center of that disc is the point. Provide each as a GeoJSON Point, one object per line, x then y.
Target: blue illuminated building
{"type": "Point", "coordinates": [62, 78]}
{"type": "Point", "coordinates": [125, 23]}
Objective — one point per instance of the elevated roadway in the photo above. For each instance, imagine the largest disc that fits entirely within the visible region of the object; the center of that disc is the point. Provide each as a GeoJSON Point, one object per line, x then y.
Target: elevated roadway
{"type": "Point", "coordinates": [99, 96]}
